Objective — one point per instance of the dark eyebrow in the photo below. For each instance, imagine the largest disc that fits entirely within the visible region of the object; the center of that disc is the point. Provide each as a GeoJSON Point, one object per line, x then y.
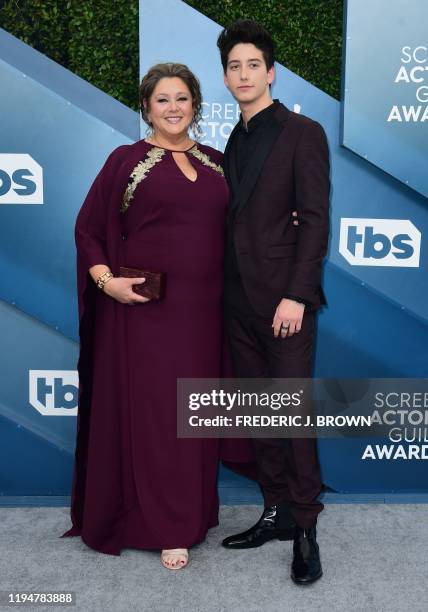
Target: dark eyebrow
{"type": "Point", "coordinates": [256, 59]}
{"type": "Point", "coordinates": [180, 93]}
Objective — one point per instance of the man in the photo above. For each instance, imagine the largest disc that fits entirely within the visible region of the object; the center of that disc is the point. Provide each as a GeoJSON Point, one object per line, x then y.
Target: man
{"type": "Point", "coordinates": [276, 161]}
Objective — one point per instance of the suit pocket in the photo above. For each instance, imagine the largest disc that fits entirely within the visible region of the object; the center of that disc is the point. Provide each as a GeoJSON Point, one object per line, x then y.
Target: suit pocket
{"type": "Point", "coordinates": [281, 250]}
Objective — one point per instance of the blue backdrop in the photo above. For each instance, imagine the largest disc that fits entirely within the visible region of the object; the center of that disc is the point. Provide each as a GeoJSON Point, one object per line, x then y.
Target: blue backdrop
{"type": "Point", "coordinates": [57, 131]}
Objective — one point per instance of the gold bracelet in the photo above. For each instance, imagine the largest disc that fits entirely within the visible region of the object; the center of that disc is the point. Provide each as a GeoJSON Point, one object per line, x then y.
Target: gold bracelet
{"type": "Point", "coordinates": [103, 279]}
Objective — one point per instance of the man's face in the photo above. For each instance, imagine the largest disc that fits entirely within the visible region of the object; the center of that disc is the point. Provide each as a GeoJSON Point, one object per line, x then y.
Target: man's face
{"type": "Point", "coordinates": [246, 74]}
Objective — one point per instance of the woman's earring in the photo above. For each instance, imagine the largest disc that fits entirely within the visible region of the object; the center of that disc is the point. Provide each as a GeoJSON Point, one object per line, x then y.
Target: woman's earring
{"type": "Point", "coordinates": [196, 129]}
{"type": "Point", "coordinates": [149, 131]}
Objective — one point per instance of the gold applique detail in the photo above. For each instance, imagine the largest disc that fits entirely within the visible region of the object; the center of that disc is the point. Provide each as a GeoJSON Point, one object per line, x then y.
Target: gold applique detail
{"type": "Point", "coordinates": [153, 156]}
{"type": "Point", "coordinates": [204, 158]}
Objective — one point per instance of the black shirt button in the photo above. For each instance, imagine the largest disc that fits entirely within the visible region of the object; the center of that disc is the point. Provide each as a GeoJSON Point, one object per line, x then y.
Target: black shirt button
{"type": "Point", "coordinates": [124, 236]}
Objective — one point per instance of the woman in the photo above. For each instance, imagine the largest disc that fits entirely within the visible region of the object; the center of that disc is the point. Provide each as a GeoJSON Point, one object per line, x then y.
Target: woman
{"type": "Point", "coordinates": [158, 204]}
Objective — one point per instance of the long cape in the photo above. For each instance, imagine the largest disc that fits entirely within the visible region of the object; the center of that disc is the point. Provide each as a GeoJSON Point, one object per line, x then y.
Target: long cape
{"type": "Point", "coordinates": [98, 234]}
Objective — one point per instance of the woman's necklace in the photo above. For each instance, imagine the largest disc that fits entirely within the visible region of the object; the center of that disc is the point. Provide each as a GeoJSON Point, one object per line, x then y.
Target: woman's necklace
{"type": "Point", "coordinates": [157, 144]}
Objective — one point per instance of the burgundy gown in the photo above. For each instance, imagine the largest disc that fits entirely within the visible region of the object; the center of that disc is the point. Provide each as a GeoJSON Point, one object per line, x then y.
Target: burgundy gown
{"type": "Point", "coordinates": [135, 484]}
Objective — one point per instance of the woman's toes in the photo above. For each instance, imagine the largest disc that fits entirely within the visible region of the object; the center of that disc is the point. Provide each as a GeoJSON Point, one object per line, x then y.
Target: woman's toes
{"type": "Point", "coordinates": [174, 558]}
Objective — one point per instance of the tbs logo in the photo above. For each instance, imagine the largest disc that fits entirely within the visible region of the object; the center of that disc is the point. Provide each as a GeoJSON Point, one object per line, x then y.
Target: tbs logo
{"type": "Point", "coordinates": [21, 179]}
{"type": "Point", "coordinates": [380, 242]}
{"type": "Point", "coordinates": [54, 392]}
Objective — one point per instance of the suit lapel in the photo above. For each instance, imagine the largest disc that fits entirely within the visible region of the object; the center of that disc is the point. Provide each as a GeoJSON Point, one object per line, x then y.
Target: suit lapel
{"type": "Point", "coordinates": [228, 166]}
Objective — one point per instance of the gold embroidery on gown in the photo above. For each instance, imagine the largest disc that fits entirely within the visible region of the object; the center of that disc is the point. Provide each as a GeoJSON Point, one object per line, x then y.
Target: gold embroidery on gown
{"type": "Point", "coordinates": [204, 158]}
{"type": "Point", "coordinates": [139, 173]}
{"type": "Point", "coordinates": [154, 156]}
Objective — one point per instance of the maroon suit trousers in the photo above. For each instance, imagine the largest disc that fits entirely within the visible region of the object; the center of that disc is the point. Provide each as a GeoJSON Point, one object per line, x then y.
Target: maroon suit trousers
{"type": "Point", "coordinates": [288, 468]}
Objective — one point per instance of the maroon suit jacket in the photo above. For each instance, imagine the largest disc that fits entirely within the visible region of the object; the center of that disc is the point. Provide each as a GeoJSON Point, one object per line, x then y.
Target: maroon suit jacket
{"type": "Point", "coordinates": [288, 171]}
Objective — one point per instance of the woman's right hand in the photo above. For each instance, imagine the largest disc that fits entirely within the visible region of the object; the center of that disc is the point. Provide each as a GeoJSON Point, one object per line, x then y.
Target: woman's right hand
{"type": "Point", "coordinates": [120, 288]}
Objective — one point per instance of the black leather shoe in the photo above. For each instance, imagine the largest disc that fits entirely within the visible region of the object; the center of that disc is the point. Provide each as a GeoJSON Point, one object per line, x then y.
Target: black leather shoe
{"type": "Point", "coordinates": [306, 566]}
{"type": "Point", "coordinates": [276, 522]}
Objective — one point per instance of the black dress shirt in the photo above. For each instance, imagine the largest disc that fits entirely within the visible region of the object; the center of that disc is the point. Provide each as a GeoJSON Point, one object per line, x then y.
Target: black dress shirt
{"type": "Point", "coordinates": [246, 138]}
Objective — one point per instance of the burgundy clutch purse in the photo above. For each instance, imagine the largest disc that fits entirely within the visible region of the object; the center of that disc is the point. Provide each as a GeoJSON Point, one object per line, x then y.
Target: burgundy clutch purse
{"type": "Point", "coordinates": [154, 286]}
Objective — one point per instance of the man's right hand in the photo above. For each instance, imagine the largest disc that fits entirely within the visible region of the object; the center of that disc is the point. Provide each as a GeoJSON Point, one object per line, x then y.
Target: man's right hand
{"type": "Point", "coordinates": [120, 288]}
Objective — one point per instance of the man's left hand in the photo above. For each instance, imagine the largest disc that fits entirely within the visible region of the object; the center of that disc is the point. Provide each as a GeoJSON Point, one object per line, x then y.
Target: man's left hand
{"type": "Point", "coordinates": [288, 318]}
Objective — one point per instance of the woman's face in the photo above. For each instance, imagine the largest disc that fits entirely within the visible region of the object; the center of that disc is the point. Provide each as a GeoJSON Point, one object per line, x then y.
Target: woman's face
{"type": "Point", "coordinates": [170, 108]}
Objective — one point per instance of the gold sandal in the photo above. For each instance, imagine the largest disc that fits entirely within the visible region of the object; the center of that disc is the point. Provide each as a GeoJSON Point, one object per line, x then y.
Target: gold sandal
{"type": "Point", "coordinates": [177, 553]}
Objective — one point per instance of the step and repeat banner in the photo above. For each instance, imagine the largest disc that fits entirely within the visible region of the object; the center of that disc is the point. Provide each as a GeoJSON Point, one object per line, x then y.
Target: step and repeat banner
{"type": "Point", "coordinates": [55, 134]}
{"type": "Point", "coordinates": [385, 87]}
